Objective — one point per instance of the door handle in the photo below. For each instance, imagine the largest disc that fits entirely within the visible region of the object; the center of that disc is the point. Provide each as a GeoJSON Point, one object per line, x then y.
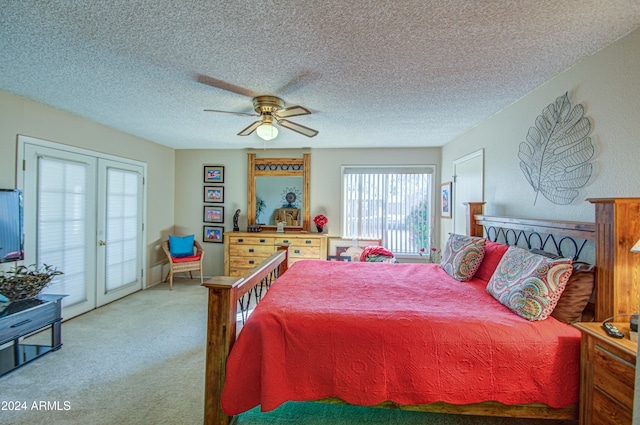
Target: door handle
{"type": "Point", "coordinates": [102, 243]}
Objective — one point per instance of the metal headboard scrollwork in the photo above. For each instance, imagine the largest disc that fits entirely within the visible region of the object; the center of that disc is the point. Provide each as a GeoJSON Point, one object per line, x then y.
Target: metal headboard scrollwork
{"type": "Point", "coordinates": [550, 243]}
{"type": "Point", "coordinates": [567, 239]}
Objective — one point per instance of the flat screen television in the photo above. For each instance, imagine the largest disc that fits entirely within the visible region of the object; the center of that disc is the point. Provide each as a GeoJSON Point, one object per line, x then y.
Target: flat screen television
{"type": "Point", "coordinates": [11, 226]}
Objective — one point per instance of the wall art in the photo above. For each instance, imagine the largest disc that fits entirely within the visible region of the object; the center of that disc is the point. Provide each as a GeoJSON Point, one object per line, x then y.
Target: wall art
{"type": "Point", "coordinates": [213, 214]}
{"type": "Point", "coordinates": [213, 234]}
{"type": "Point", "coordinates": [213, 174]}
{"type": "Point", "coordinates": [555, 156]}
{"type": "Point", "coordinates": [445, 200]}
{"type": "Point", "coordinates": [214, 194]}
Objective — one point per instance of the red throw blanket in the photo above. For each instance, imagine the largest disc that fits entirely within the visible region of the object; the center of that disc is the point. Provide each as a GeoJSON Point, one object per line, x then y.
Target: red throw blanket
{"type": "Point", "coordinates": [409, 333]}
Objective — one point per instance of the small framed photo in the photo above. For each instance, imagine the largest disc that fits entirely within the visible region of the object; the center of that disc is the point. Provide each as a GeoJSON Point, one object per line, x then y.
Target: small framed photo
{"type": "Point", "coordinates": [445, 200]}
{"type": "Point", "coordinates": [213, 234]}
{"type": "Point", "coordinates": [213, 174]}
{"type": "Point", "coordinates": [213, 214]}
{"type": "Point", "coordinates": [214, 194]}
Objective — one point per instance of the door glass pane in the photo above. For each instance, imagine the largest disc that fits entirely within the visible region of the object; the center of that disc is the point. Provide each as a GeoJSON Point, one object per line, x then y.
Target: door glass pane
{"type": "Point", "coordinates": [122, 228]}
{"type": "Point", "coordinates": [62, 225]}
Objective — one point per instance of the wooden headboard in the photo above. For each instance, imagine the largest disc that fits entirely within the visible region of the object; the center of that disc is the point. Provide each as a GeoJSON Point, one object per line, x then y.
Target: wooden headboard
{"type": "Point", "coordinates": [615, 231]}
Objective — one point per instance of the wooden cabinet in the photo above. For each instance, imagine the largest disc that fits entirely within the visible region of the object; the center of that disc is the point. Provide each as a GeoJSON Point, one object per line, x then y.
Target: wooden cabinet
{"type": "Point", "coordinates": [245, 250]}
{"type": "Point", "coordinates": [607, 368]}
{"type": "Point", "coordinates": [617, 268]}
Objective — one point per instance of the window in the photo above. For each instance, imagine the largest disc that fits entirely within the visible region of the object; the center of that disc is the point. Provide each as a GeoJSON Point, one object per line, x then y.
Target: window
{"type": "Point", "coordinates": [393, 204]}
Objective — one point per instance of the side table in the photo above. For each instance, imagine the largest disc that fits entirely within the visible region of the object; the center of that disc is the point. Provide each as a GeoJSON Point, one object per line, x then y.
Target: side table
{"type": "Point", "coordinates": [21, 318]}
{"type": "Point", "coordinates": [607, 368]}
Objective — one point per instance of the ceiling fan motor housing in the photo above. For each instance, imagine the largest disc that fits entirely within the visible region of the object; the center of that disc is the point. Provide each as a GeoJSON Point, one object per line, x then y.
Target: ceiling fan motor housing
{"type": "Point", "coordinates": [267, 104]}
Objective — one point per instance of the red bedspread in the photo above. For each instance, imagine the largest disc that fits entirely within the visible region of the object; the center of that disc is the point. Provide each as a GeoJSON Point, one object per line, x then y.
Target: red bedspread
{"type": "Point", "coordinates": [371, 332]}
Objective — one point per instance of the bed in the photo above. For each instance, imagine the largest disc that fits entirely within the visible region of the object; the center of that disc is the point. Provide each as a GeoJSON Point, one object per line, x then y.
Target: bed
{"type": "Point", "coordinates": [428, 351]}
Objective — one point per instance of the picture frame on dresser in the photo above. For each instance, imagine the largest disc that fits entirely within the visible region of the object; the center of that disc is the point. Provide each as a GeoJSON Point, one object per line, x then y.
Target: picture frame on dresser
{"type": "Point", "coordinates": [213, 234]}
{"type": "Point", "coordinates": [213, 214]}
{"type": "Point", "coordinates": [213, 174]}
{"type": "Point", "coordinates": [213, 194]}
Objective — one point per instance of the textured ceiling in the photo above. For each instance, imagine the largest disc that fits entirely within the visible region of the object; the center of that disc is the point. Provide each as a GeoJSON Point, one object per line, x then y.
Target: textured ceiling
{"type": "Point", "coordinates": [373, 73]}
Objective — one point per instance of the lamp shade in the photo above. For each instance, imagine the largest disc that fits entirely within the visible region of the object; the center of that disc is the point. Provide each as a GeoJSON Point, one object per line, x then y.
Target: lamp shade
{"type": "Point", "coordinates": [267, 131]}
{"type": "Point", "coordinates": [636, 247]}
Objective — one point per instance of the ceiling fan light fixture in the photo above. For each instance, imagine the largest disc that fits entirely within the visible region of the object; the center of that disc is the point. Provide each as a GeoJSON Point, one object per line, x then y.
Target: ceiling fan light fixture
{"type": "Point", "coordinates": [267, 131]}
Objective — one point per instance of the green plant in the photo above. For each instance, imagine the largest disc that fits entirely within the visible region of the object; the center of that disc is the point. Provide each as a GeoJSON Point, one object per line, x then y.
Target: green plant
{"type": "Point", "coordinates": [418, 225]}
{"type": "Point", "coordinates": [260, 206]}
{"type": "Point", "coordinates": [23, 282]}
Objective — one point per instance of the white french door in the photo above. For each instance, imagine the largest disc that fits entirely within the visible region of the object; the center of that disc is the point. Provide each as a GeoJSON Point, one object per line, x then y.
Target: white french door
{"type": "Point", "coordinates": [84, 216]}
{"type": "Point", "coordinates": [119, 259]}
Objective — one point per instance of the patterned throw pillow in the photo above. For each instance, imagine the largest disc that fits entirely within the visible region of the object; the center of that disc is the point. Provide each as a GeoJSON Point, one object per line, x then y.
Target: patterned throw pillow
{"type": "Point", "coordinates": [529, 284]}
{"type": "Point", "coordinates": [462, 256]}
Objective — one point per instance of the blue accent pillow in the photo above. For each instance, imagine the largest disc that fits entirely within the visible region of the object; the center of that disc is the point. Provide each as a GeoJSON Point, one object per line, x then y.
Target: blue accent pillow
{"type": "Point", "coordinates": [181, 246]}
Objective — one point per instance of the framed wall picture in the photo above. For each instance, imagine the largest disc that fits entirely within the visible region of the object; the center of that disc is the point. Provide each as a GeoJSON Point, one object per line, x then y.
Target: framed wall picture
{"type": "Point", "coordinates": [349, 247]}
{"type": "Point", "coordinates": [213, 214]}
{"type": "Point", "coordinates": [213, 234]}
{"type": "Point", "coordinates": [213, 174]}
{"type": "Point", "coordinates": [214, 194]}
{"type": "Point", "coordinates": [445, 200]}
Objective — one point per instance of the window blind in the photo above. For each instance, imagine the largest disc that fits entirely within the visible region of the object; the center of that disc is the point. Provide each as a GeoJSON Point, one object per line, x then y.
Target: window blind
{"type": "Point", "coordinates": [389, 203]}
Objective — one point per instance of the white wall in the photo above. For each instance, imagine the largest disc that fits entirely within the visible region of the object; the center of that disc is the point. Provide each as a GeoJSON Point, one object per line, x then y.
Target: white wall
{"type": "Point", "coordinates": [21, 116]}
{"type": "Point", "coordinates": [607, 84]}
{"type": "Point", "coordinates": [325, 182]}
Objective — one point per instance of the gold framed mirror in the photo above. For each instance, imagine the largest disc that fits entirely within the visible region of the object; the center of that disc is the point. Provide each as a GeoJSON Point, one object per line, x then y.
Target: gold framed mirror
{"type": "Point", "coordinates": [279, 192]}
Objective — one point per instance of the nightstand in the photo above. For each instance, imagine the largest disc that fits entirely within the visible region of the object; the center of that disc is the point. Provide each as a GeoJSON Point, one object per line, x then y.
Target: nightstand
{"type": "Point", "coordinates": [607, 369]}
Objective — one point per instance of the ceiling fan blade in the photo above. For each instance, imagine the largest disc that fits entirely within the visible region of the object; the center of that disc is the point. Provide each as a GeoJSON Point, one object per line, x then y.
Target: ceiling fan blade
{"type": "Point", "coordinates": [305, 131]}
{"type": "Point", "coordinates": [230, 112]}
{"type": "Point", "coordinates": [291, 111]}
{"type": "Point", "coordinates": [299, 81]}
{"type": "Point", "coordinates": [223, 85]}
{"type": "Point", "coordinates": [247, 131]}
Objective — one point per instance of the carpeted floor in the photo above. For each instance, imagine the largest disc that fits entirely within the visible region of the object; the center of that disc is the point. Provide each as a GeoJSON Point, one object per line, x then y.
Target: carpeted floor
{"type": "Point", "coordinates": [141, 360]}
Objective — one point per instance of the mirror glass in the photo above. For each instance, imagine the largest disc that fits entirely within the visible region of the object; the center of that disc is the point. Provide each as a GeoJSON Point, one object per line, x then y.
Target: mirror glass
{"type": "Point", "coordinates": [279, 198]}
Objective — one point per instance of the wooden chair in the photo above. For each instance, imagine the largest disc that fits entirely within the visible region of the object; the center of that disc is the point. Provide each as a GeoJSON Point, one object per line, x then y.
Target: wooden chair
{"type": "Point", "coordinates": [184, 264]}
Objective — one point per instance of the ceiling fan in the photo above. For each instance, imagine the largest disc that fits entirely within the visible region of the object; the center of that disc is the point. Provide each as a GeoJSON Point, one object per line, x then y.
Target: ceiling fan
{"type": "Point", "coordinates": [270, 109]}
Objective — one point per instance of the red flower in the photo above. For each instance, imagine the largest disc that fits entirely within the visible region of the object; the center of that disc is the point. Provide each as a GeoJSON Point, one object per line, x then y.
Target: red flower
{"type": "Point", "coordinates": [320, 220]}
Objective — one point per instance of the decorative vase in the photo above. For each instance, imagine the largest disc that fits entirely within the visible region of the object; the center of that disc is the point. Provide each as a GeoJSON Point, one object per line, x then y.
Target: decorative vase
{"type": "Point", "coordinates": [320, 228]}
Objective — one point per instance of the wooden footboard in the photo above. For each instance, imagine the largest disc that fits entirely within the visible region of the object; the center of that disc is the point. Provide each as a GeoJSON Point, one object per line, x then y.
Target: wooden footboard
{"type": "Point", "coordinates": [486, 408]}
{"type": "Point", "coordinates": [225, 294]}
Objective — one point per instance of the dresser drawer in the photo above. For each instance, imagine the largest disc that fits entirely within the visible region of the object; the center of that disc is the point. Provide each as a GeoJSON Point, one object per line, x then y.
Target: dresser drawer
{"type": "Point", "coordinates": [613, 375]}
{"type": "Point", "coordinates": [235, 272]}
{"type": "Point", "coordinates": [251, 240]}
{"type": "Point", "coordinates": [298, 241]}
{"type": "Point", "coordinates": [607, 411]}
{"type": "Point", "coordinates": [27, 321]}
{"type": "Point", "coordinates": [243, 250]}
{"type": "Point", "coordinates": [245, 262]}
{"type": "Point", "coordinates": [304, 252]}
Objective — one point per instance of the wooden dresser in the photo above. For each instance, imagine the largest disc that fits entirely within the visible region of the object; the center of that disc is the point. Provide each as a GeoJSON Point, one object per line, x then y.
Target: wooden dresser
{"type": "Point", "coordinates": [245, 250]}
{"type": "Point", "coordinates": [607, 368]}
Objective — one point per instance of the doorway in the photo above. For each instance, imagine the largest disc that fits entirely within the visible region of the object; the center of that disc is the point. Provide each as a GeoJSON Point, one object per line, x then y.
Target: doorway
{"type": "Point", "coordinates": [83, 215]}
{"type": "Point", "coordinates": [468, 186]}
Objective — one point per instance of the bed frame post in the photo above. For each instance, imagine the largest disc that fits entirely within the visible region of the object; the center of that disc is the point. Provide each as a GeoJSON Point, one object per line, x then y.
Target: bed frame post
{"type": "Point", "coordinates": [473, 227]}
{"type": "Point", "coordinates": [221, 332]}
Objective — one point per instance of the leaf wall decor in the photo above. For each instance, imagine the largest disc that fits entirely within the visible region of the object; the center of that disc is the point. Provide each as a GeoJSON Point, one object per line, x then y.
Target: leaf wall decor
{"type": "Point", "coordinates": [555, 156]}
